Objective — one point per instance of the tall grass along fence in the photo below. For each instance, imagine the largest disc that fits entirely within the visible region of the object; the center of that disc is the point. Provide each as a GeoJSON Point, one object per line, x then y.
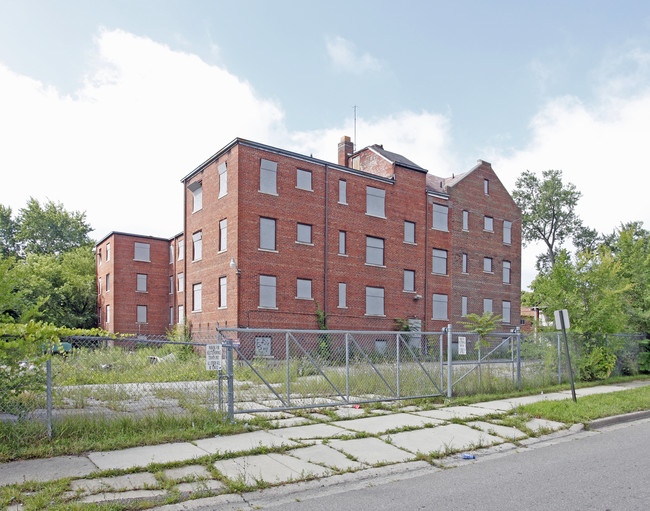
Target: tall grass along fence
{"type": "Point", "coordinates": [271, 370]}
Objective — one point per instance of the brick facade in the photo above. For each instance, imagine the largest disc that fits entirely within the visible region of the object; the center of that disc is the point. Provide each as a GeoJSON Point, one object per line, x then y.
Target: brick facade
{"type": "Point", "coordinates": [302, 215]}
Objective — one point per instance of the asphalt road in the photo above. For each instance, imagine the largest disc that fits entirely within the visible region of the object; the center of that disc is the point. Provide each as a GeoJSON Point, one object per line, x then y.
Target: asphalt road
{"type": "Point", "coordinates": [609, 470]}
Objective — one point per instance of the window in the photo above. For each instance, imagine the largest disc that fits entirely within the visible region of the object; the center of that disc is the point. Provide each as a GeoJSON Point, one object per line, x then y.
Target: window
{"type": "Point", "coordinates": [486, 186]}
{"type": "Point", "coordinates": [197, 298]}
{"type": "Point", "coordinates": [197, 196]}
{"type": "Point", "coordinates": [223, 235]}
{"type": "Point", "coordinates": [268, 176]}
{"type": "Point", "coordinates": [440, 217]}
{"type": "Point", "coordinates": [267, 233]}
{"type": "Point", "coordinates": [463, 306]}
{"type": "Point", "coordinates": [303, 234]}
{"type": "Point", "coordinates": [267, 291]}
{"type": "Point", "coordinates": [409, 281]}
{"type": "Point", "coordinates": [487, 264]}
{"type": "Point", "coordinates": [108, 314]}
{"type": "Point", "coordinates": [439, 261]}
{"type": "Point", "coordinates": [181, 250]}
{"type": "Point", "coordinates": [342, 243]}
{"type": "Point", "coordinates": [303, 288]}
{"type": "Point", "coordinates": [197, 246]}
{"type": "Point", "coordinates": [223, 292]}
{"type": "Point", "coordinates": [356, 163]}
{"type": "Point", "coordinates": [409, 232]}
{"type": "Point", "coordinates": [507, 232]}
{"type": "Point", "coordinates": [181, 282]}
{"type": "Point", "coordinates": [439, 307]}
{"type": "Point", "coordinates": [343, 191]}
{"type": "Point", "coordinates": [465, 263]}
{"type": "Point", "coordinates": [141, 252]}
{"type": "Point", "coordinates": [171, 284]}
{"type": "Point", "coordinates": [171, 315]}
{"type": "Point", "coordinates": [108, 254]}
{"type": "Point", "coordinates": [99, 286]}
{"type": "Point", "coordinates": [488, 223]}
{"type": "Point", "coordinates": [181, 315]}
{"type": "Point", "coordinates": [487, 305]}
{"type": "Point", "coordinates": [505, 312]}
{"type": "Point", "coordinates": [171, 254]}
{"type": "Point", "coordinates": [99, 256]}
{"type": "Point", "coordinates": [465, 220]}
{"type": "Point", "coordinates": [342, 295]}
{"type": "Point", "coordinates": [141, 282]}
{"type": "Point", "coordinates": [375, 202]}
{"type": "Point", "coordinates": [141, 314]}
{"type": "Point", "coordinates": [108, 282]}
{"type": "Point", "coordinates": [303, 180]}
{"type": "Point", "coordinates": [374, 301]}
{"type": "Point", "coordinates": [506, 272]}
{"type": "Point", "coordinates": [223, 179]}
{"type": "Point", "coordinates": [374, 251]}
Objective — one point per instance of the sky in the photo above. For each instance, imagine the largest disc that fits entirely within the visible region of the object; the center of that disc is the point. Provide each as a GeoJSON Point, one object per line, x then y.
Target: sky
{"type": "Point", "coordinates": [105, 106]}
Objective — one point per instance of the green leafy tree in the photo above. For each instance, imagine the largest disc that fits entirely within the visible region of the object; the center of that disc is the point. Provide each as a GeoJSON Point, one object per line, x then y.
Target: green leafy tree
{"type": "Point", "coordinates": [50, 229]}
{"type": "Point", "coordinates": [7, 232]}
{"type": "Point", "coordinates": [482, 325]}
{"type": "Point", "coordinates": [548, 211]}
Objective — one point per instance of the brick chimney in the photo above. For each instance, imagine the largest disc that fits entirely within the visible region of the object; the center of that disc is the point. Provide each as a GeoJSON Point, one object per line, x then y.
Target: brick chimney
{"type": "Point", "coordinates": [346, 148]}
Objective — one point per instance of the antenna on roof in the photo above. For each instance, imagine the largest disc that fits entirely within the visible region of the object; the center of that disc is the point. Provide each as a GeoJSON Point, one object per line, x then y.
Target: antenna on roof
{"type": "Point", "coordinates": [354, 142]}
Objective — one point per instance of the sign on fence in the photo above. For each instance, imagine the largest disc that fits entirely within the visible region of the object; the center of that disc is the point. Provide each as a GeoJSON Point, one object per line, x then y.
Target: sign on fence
{"type": "Point", "coordinates": [462, 345]}
{"type": "Point", "coordinates": [213, 357]}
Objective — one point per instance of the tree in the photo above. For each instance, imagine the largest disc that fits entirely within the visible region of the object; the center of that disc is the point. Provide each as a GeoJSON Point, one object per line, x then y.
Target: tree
{"type": "Point", "coordinates": [50, 229]}
{"type": "Point", "coordinates": [548, 211]}
{"type": "Point", "coordinates": [7, 232]}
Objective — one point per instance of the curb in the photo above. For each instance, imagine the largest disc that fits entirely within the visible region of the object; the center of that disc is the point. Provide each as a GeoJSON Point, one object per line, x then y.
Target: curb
{"type": "Point", "coordinates": [618, 419]}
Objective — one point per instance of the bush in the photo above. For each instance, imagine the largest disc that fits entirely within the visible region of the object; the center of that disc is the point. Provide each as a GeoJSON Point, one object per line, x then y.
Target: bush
{"type": "Point", "coordinates": [596, 363]}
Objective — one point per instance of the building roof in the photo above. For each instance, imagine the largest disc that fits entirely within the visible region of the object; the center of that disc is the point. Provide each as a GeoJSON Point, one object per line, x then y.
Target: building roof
{"type": "Point", "coordinates": [395, 158]}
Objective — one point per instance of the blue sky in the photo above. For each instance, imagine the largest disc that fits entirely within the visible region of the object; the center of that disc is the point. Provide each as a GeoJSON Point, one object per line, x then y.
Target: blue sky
{"type": "Point", "coordinates": [112, 102]}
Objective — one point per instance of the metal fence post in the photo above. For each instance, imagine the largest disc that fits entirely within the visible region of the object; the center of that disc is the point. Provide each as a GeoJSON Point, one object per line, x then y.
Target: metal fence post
{"type": "Point", "coordinates": [519, 334]}
{"type": "Point", "coordinates": [449, 362]}
{"type": "Point", "coordinates": [442, 371]}
{"type": "Point", "coordinates": [398, 338]}
{"type": "Point", "coordinates": [288, 370]}
{"type": "Point", "coordinates": [347, 367]}
{"type": "Point", "coordinates": [559, 359]}
{"type": "Point", "coordinates": [231, 376]}
{"type": "Point", "coordinates": [49, 395]}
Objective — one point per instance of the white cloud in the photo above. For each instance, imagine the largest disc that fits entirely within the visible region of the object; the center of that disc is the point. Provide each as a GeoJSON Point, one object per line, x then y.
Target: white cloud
{"type": "Point", "coordinates": [600, 147]}
{"type": "Point", "coordinates": [345, 57]}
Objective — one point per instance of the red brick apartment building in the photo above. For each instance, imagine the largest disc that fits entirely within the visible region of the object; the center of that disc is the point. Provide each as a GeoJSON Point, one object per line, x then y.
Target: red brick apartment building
{"type": "Point", "coordinates": [270, 236]}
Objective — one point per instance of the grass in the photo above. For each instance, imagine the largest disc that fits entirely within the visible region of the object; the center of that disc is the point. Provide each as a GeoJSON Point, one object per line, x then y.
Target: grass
{"type": "Point", "coordinates": [589, 408]}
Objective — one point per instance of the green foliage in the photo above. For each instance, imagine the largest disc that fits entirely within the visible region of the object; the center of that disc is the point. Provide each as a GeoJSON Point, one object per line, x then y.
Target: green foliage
{"type": "Point", "coordinates": [596, 363]}
{"type": "Point", "coordinates": [482, 325]}
{"type": "Point", "coordinates": [402, 325]}
{"type": "Point", "coordinates": [7, 232]}
{"type": "Point", "coordinates": [644, 356]}
{"type": "Point", "coordinates": [547, 210]}
{"type": "Point", "coordinates": [324, 340]}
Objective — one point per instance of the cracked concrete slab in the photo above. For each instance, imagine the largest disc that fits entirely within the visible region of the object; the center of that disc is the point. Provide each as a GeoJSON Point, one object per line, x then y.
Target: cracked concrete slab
{"type": "Point", "coordinates": [193, 471]}
{"type": "Point", "coordinates": [310, 431]}
{"type": "Point", "coordinates": [243, 442]}
{"type": "Point", "coordinates": [324, 455]}
{"type": "Point", "coordinates": [507, 432]}
{"type": "Point", "coordinates": [123, 496]}
{"type": "Point", "coordinates": [452, 437]}
{"type": "Point", "coordinates": [455, 412]}
{"type": "Point", "coordinates": [543, 424]}
{"type": "Point", "coordinates": [118, 483]}
{"type": "Point", "coordinates": [383, 423]}
{"type": "Point", "coordinates": [48, 469]}
{"type": "Point", "coordinates": [371, 450]}
{"type": "Point", "coordinates": [143, 456]}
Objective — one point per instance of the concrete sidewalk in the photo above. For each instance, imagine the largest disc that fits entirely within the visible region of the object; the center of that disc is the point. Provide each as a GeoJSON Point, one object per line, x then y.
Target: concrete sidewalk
{"type": "Point", "coordinates": [299, 449]}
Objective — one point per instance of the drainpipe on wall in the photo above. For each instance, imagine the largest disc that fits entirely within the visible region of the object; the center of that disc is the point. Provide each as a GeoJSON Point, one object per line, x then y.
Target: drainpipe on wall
{"type": "Point", "coordinates": [184, 259]}
{"type": "Point", "coordinates": [327, 190]}
{"type": "Point", "coordinates": [426, 264]}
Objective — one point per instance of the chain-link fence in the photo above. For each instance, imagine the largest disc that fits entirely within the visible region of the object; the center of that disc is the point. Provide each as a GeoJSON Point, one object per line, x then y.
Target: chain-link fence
{"type": "Point", "coordinates": [279, 370]}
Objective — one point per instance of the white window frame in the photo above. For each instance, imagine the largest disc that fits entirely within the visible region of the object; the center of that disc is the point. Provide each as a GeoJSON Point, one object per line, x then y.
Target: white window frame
{"type": "Point", "coordinates": [304, 234]}
{"type": "Point", "coordinates": [488, 223]}
{"type": "Point", "coordinates": [343, 299]}
{"type": "Point", "coordinates": [142, 252]}
{"type": "Point", "coordinates": [181, 314]}
{"type": "Point", "coordinates": [108, 282]}
{"type": "Point", "coordinates": [197, 297]}
{"type": "Point", "coordinates": [487, 305]}
{"type": "Point", "coordinates": [171, 284]}
{"type": "Point", "coordinates": [375, 202]}
{"type": "Point", "coordinates": [465, 220]}
{"type": "Point", "coordinates": [197, 246]}
{"type": "Point", "coordinates": [440, 217]}
{"type": "Point", "coordinates": [506, 310]}
{"type": "Point", "coordinates": [343, 191]}
{"type": "Point", "coordinates": [171, 254]}
{"type": "Point", "coordinates": [223, 292]}
{"type": "Point", "coordinates": [304, 180]}
{"type": "Point", "coordinates": [197, 196]}
{"type": "Point", "coordinates": [223, 235]}
{"type": "Point", "coordinates": [465, 263]}
{"type": "Point", "coordinates": [409, 232]}
{"type": "Point", "coordinates": [343, 245]}
{"type": "Point", "coordinates": [439, 261]}
{"type": "Point", "coordinates": [268, 233]}
{"type": "Point", "coordinates": [108, 314]}
{"type": "Point", "coordinates": [181, 250]}
{"type": "Point", "coordinates": [506, 273]}
{"type": "Point", "coordinates": [141, 314]}
{"type": "Point", "coordinates": [486, 186]}
{"type": "Point", "coordinates": [99, 285]}
{"type": "Point", "coordinates": [268, 292]}
{"type": "Point", "coordinates": [171, 315]}
{"type": "Point", "coordinates": [488, 265]}
{"type": "Point", "coordinates": [375, 301]}
{"type": "Point", "coordinates": [375, 251]}
{"type": "Point", "coordinates": [507, 232]}
{"type": "Point", "coordinates": [303, 289]}
{"type": "Point", "coordinates": [108, 252]}
{"type": "Point", "coordinates": [268, 176]}
{"type": "Point", "coordinates": [440, 305]}
{"type": "Point", "coordinates": [463, 306]}
{"type": "Point", "coordinates": [180, 279]}
{"type": "Point", "coordinates": [223, 180]}
{"type": "Point", "coordinates": [141, 282]}
{"type": "Point", "coordinates": [409, 281]}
